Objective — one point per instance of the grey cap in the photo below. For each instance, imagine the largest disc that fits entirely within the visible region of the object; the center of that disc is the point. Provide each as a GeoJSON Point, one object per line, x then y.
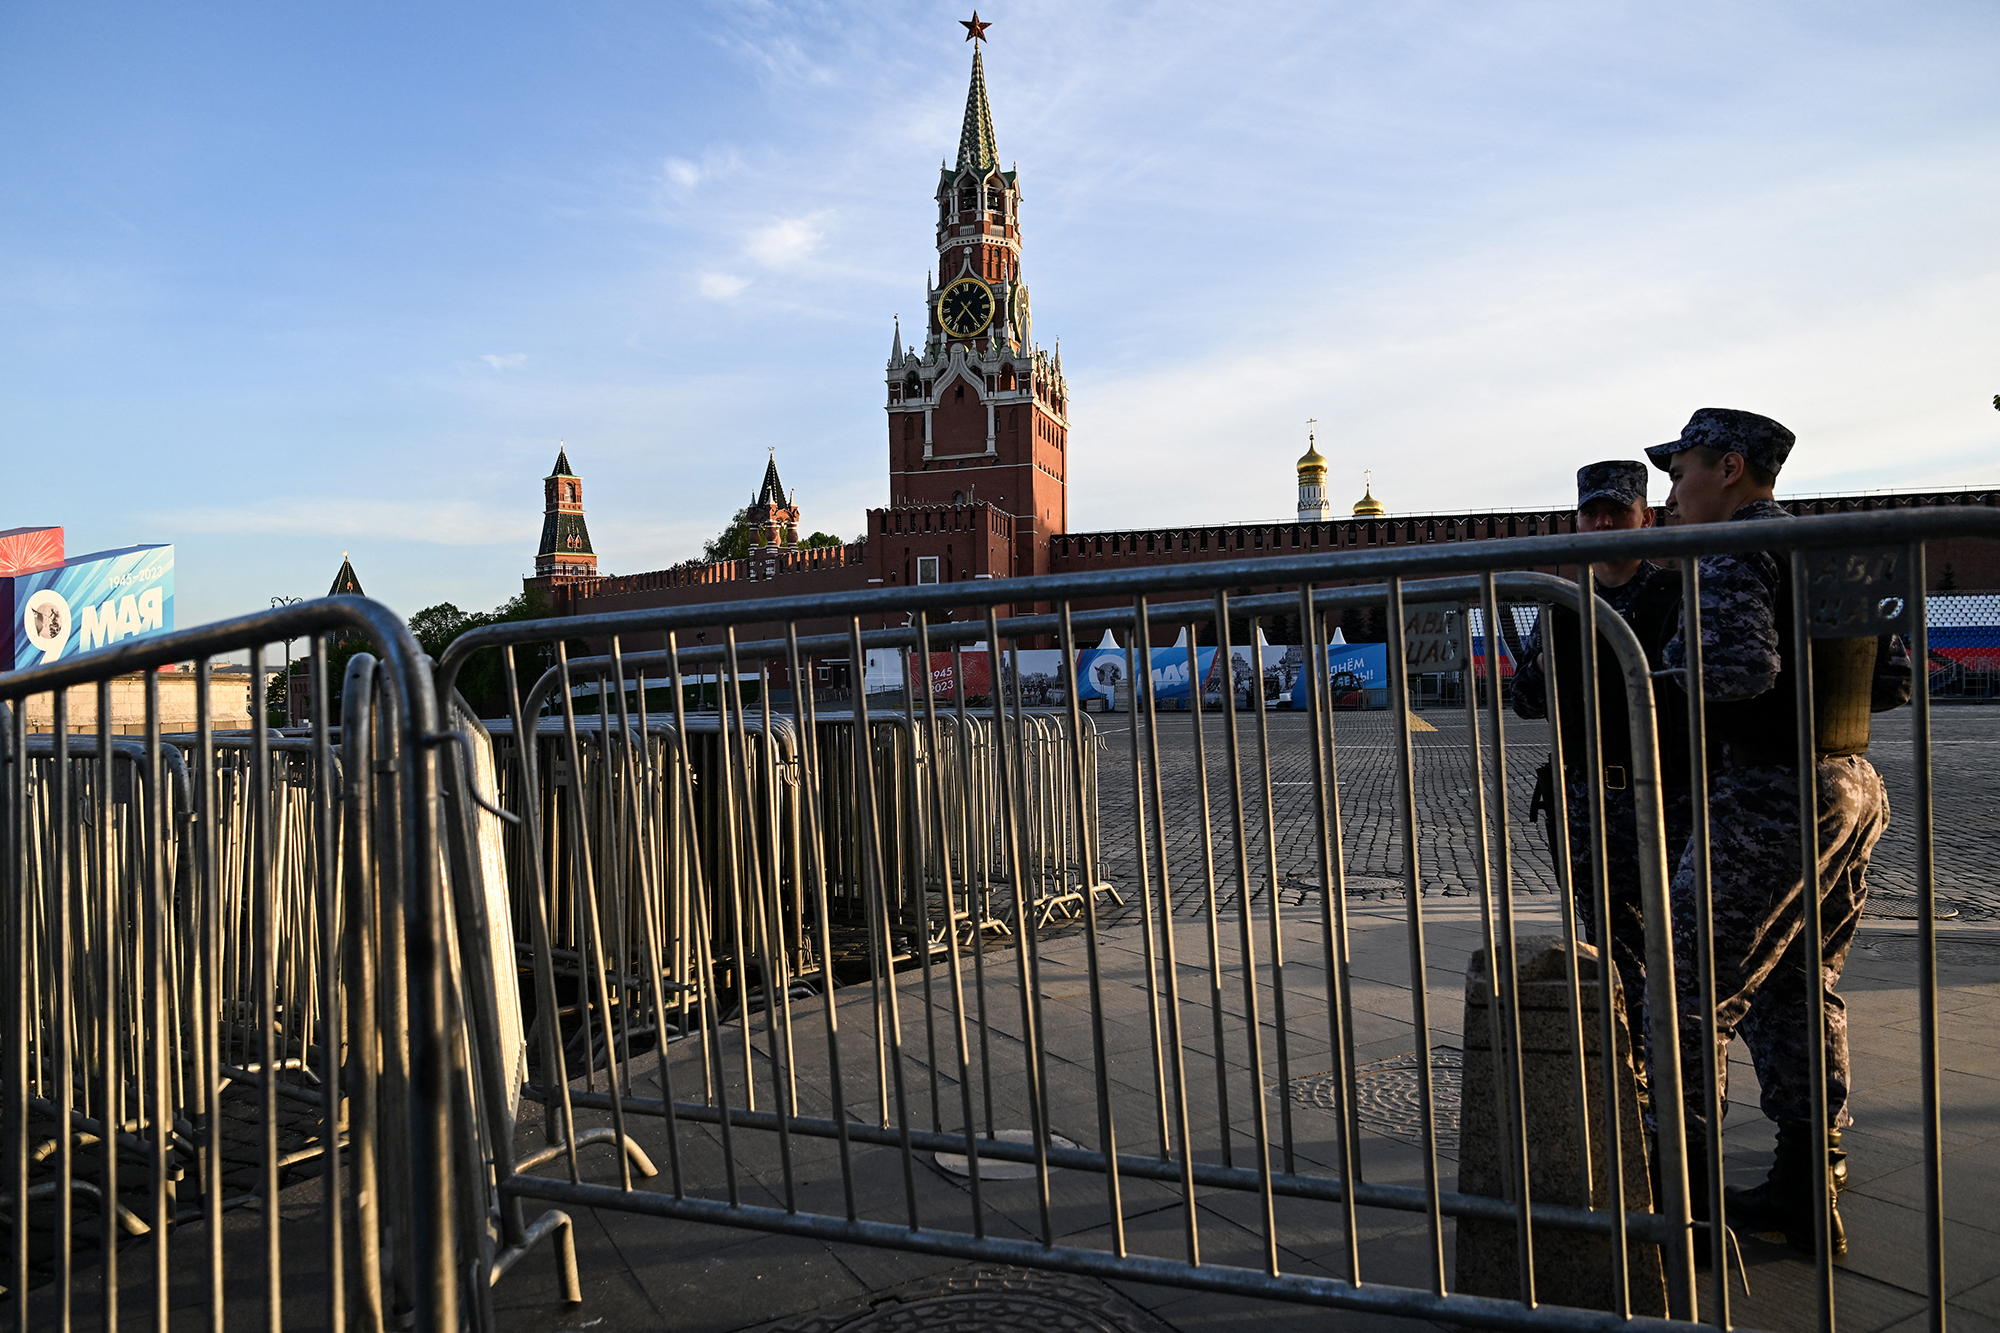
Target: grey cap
{"type": "Point", "coordinates": [1619, 479]}
{"type": "Point", "coordinates": [1759, 439]}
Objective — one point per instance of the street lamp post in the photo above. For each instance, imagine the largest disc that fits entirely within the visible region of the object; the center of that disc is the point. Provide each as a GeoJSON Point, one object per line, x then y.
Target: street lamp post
{"type": "Point", "coordinates": [278, 603]}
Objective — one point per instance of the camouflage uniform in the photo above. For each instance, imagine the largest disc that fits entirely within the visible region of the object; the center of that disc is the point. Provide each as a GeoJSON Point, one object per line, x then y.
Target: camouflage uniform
{"type": "Point", "coordinates": [1753, 801]}
{"type": "Point", "coordinates": [1640, 602]}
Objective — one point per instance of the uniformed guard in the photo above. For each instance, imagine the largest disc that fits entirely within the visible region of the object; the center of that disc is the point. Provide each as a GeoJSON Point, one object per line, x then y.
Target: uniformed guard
{"type": "Point", "coordinates": [1724, 467]}
{"type": "Point", "coordinates": [1610, 496]}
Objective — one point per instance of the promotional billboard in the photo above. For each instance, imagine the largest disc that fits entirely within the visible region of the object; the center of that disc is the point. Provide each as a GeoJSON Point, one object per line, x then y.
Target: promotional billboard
{"type": "Point", "coordinates": [978, 674]}
{"type": "Point", "coordinates": [1367, 664]}
{"type": "Point", "coordinates": [1100, 671]}
{"type": "Point", "coordinates": [89, 602]}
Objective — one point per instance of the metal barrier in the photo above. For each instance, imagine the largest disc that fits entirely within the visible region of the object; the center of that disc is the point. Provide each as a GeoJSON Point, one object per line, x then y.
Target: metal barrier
{"type": "Point", "coordinates": [233, 966]}
{"type": "Point", "coordinates": [839, 987]}
{"type": "Point", "coordinates": [601, 853]}
{"type": "Point", "coordinates": [958, 1046]}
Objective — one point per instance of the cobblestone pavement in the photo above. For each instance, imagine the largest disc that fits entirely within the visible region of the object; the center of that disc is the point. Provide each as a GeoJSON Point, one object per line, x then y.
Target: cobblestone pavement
{"type": "Point", "coordinates": [1965, 743]}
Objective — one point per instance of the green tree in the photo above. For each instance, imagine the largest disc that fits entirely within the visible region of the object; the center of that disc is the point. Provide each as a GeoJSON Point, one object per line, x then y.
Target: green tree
{"type": "Point", "coordinates": [436, 626]}
{"type": "Point", "coordinates": [274, 698]}
{"type": "Point", "coordinates": [482, 679]}
{"type": "Point", "coordinates": [733, 542]}
{"type": "Point", "coordinates": [822, 539]}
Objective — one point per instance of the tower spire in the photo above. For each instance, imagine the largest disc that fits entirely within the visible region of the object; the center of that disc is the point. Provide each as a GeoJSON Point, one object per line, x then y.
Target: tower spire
{"type": "Point", "coordinates": [975, 141]}
{"type": "Point", "coordinates": [772, 492]}
{"type": "Point", "coordinates": [345, 583]}
{"type": "Point", "coordinates": [773, 519]}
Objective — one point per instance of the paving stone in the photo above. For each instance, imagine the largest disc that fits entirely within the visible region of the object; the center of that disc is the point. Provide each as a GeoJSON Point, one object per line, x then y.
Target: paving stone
{"type": "Point", "coordinates": [1784, 1294]}
{"type": "Point", "coordinates": [1981, 1301]}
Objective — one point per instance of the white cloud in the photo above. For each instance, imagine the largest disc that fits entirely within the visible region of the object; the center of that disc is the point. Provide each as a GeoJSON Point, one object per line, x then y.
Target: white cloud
{"type": "Point", "coordinates": [505, 361]}
{"type": "Point", "coordinates": [722, 286]}
{"type": "Point", "coordinates": [784, 243]}
{"type": "Point", "coordinates": [682, 174]}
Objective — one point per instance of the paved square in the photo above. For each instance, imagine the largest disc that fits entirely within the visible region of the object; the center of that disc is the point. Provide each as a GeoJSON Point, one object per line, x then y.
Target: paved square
{"type": "Point", "coordinates": [643, 1272]}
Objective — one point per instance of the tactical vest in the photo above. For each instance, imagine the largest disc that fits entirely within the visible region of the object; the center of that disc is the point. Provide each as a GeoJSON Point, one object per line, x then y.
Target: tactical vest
{"type": "Point", "coordinates": [1763, 729]}
{"type": "Point", "coordinates": [1654, 617]}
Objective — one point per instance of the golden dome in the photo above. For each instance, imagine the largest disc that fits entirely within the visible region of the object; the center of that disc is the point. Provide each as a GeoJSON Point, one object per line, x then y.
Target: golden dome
{"type": "Point", "coordinates": [1312, 460]}
{"type": "Point", "coordinates": [1368, 506]}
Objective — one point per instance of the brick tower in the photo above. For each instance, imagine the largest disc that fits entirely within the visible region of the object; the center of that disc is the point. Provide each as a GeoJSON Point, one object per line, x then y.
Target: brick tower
{"type": "Point", "coordinates": [978, 414]}
{"type": "Point", "coordinates": [564, 554]}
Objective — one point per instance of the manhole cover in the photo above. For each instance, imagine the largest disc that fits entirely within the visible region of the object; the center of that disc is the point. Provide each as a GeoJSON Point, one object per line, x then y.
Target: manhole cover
{"type": "Point", "coordinates": [1894, 906]}
{"type": "Point", "coordinates": [994, 1169]}
{"type": "Point", "coordinates": [1008, 1300]}
{"type": "Point", "coordinates": [973, 1310]}
{"type": "Point", "coordinates": [1386, 1096]}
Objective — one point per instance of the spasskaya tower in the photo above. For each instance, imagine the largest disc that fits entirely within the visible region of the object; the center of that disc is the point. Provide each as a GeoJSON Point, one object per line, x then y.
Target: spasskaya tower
{"type": "Point", "coordinates": [978, 414]}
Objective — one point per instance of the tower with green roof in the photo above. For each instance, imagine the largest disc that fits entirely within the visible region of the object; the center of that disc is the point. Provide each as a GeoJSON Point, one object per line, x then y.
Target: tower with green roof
{"type": "Point", "coordinates": [564, 554]}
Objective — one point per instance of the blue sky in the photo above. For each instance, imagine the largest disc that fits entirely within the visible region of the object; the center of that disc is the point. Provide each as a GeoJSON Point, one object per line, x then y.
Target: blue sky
{"type": "Point", "coordinates": [280, 282]}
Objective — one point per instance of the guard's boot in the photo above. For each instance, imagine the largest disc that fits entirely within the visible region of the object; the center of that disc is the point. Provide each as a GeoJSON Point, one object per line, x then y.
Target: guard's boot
{"type": "Point", "coordinates": [1786, 1200]}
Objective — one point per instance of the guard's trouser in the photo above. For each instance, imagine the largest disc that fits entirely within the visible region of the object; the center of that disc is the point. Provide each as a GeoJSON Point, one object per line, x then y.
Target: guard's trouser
{"type": "Point", "coordinates": [1759, 909]}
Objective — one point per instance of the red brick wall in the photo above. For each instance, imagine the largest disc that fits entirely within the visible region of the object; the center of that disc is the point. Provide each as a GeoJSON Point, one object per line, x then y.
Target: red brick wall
{"type": "Point", "coordinates": [958, 422]}
{"type": "Point", "coordinates": [581, 600]}
{"type": "Point", "coordinates": [985, 539]}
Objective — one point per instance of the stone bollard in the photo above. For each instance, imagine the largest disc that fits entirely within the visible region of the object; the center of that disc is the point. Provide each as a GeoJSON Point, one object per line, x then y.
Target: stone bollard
{"type": "Point", "coordinates": [1571, 1267]}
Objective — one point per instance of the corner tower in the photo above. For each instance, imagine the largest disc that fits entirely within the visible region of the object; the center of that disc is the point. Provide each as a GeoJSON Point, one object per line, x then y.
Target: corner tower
{"type": "Point", "coordinates": [978, 414]}
{"type": "Point", "coordinates": [564, 554]}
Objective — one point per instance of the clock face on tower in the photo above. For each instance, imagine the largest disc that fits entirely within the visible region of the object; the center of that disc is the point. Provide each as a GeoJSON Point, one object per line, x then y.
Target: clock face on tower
{"type": "Point", "coordinates": [966, 307]}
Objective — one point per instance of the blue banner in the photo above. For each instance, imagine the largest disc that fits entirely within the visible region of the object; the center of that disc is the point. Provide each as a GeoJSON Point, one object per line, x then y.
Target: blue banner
{"type": "Point", "coordinates": [1099, 671]}
{"type": "Point", "coordinates": [91, 602]}
{"type": "Point", "coordinates": [1368, 663]}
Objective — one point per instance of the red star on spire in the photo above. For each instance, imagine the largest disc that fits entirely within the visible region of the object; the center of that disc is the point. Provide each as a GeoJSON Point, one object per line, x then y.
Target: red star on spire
{"type": "Point", "coordinates": [974, 29]}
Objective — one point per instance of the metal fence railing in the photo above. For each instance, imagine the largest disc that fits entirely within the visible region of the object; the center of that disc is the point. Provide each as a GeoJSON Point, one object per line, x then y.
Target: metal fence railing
{"type": "Point", "coordinates": [1964, 632]}
{"type": "Point", "coordinates": [842, 974]}
{"type": "Point", "coordinates": [879, 1080]}
{"type": "Point", "coordinates": [238, 963]}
